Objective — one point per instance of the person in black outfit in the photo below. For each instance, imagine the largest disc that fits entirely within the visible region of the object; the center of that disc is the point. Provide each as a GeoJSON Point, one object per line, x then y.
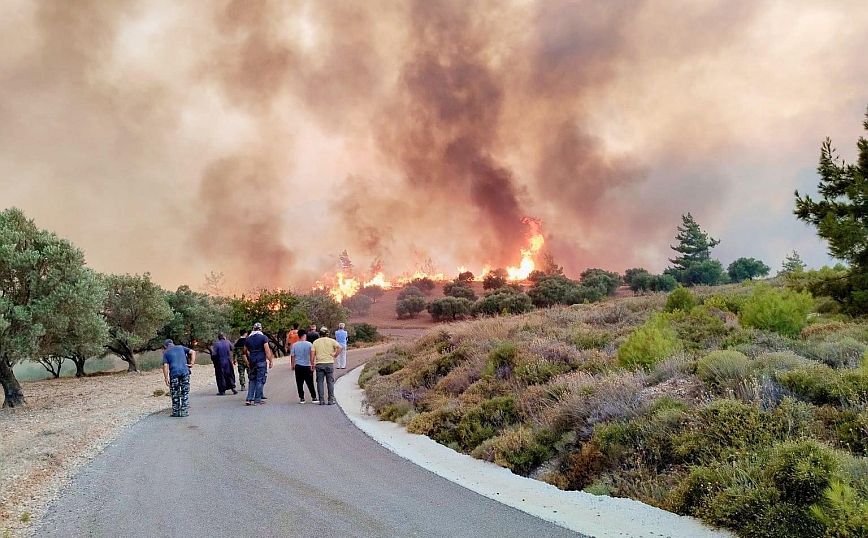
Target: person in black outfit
{"type": "Point", "coordinates": [312, 335]}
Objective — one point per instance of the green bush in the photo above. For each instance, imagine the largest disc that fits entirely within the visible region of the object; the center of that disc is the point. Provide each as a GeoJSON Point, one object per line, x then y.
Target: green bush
{"type": "Point", "coordinates": [410, 306]}
{"type": "Point", "coordinates": [821, 385]}
{"type": "Point", "coordinates": [459, 289]}
{"type": "Point", "coordinates": [364, 332]}
{"type": "Point", "coordinates": [503, 301]}
{"type": "Point", "coordinates": [519, 450]}
{"type": "Point", "coordinates": [449, 308]}
{"type": "Point", "coordinates": [501, 360]}
{"type": "Point", "coordinates": [836, 351]}
{"type": "Point", "coordinates": [592, 338]}
{"type": "Point", "coordinates": [722, 427]}
{"type": "Point", "coordinates": [780, 361]}
{"type": "Point", "coordinates": [801, 470]}
{"type": "Point", "coordinates": [538, 371]}
{"type": "Point", "coordinates": [782, 311]}
{"type": "Point", "coordinates": [382, 364]}
{"type": "Point", "coordinates": [649, 344]}
{"type": "Point", "coordinates": [481, 422]}
{"type": "Point", "coordinates": [841, 511]}
{"type": "Point", "coordinates": [680, 299]}
{"type": "Point", "coordinates": [699, 328]}
{"type": "Point", "coordinates": [723, 369]}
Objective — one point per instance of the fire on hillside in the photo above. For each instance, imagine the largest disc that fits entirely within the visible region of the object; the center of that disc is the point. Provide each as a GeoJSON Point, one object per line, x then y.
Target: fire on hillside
{"type": "Point", "coordinates": [347, 281]}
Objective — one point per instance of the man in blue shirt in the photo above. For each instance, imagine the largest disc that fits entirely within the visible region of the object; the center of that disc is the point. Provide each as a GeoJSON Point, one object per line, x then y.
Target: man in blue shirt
{"type": "Point", "coordinates": [299, 355]}
{"type": "Point", "coordinates": [260, 358]}
{"type": "Point", "coordinates": [341, 336]}
{"type": "Point", "coordinates": [177, 361]}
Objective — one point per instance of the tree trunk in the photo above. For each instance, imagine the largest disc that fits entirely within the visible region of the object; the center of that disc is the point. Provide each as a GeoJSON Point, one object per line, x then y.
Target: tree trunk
{"type": "Point", "coordinates": [14, 397]}
{"type": "Point", "coordinates": [79, 366]}
{"type": "Point", "coordinates": [130, 359]}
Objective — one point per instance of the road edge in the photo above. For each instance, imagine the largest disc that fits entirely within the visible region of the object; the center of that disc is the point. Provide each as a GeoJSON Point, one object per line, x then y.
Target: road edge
{"type": "Point", "coordinates": [597, 516]}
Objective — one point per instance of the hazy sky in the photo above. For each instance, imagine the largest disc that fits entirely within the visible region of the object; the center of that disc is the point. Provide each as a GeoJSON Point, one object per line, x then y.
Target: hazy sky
{"type": "Point", "coordinates": [261, 139]}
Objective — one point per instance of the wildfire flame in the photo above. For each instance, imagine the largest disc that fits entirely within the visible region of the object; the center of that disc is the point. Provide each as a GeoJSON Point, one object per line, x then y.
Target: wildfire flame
{"type": "Point", "coordinates": [344, 284]}
{"type": "Point", "coordinates": [535, 244]}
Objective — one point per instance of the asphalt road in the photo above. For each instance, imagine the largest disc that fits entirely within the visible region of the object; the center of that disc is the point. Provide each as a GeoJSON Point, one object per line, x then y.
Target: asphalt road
{"type": "Point", "coordinates": [282, 469]}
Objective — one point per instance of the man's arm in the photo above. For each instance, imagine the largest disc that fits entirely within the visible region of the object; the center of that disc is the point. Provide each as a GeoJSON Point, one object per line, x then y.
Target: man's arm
{"type": "Point", "coordinates": [312, 358]}
{"type": "Point", "coordinates": [166, 373]}
{"type": "Point", "coordinates": [338, 352]}
{"type": "Point", "coordinates": [269, 355]}
{"type": "Point", "coordinates": [191, 358]}
{"type": "Point", "coordinates": [291, 358]}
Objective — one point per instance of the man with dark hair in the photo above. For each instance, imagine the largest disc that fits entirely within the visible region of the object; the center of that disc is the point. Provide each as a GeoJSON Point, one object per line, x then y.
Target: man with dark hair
{"type": "Point", "coordinates": [221, 356]}
{"type": "Point", "coordinates": [240, 359]}
{"type": "Point", "coordinates": [261, 359]}
{"type": "Point", "coordinates": [299, 356]}
{"type": "Point", "coordinates": [312, 335]}
{"type": "Point", "coordinates": [177, 361]}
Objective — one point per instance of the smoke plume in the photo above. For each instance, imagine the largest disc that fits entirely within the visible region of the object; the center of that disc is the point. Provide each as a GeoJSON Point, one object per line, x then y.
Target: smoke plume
{"type": "Point", "coordinates": [263, 138]}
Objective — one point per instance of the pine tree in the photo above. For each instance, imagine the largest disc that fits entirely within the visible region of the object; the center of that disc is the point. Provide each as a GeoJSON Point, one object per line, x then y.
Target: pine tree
{"type": "Point", "coordinates": [841, 215]}
{"type": "Point", "coordinates": [792, 264]}
{"type": "Point", "coordinates": [841, 218]}
{"type": "Point", "coordinates": [694, 244]}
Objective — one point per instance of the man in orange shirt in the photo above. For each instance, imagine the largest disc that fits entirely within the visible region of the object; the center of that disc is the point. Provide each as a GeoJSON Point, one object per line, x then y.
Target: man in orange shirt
{"type": "Point", "coordinates": [291, 337]}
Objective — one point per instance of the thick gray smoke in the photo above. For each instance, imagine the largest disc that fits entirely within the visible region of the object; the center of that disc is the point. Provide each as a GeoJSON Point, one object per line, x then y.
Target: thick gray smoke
{"type": "Point", "coordinates": [262, 138]}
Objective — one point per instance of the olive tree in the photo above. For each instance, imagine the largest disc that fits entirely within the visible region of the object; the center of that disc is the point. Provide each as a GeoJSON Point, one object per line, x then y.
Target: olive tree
{"type": "Point", "coordinates": [44, 284]}
{"type": "Point", "coordinates": [135, 309]}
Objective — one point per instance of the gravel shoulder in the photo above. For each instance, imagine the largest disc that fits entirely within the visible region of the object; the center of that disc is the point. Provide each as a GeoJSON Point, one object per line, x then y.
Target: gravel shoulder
{"type": "Point", "coordinates": [66, 423]}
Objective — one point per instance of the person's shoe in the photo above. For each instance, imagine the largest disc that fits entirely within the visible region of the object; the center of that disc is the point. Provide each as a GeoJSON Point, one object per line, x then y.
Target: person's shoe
{"type": "Point", "coordinates": [315, 400]}
{"type": "Point", "coordinates": [248, 402]}
{"type": "Point", "coordinates": [332, 402]}
{"type": "Point", "coordinates": [234, 391]}
{"type": "Point", "coordinates": [302, 401]}
{"type": "Point", "coordinates": [174, 415]}
{"type": "Point", "coordinates": [264, 397]}
{"type": "Point", "coordinates": [322, 403]}
{"type": "Point", "coordinates": [221, 394]}
{"type": "Point", "coordinates": [184, 415]}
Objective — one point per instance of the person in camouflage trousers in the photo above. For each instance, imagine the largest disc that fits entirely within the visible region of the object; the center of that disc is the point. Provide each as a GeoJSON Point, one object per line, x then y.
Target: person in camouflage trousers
{"type": "Point", "coordinates": [177, 361]}
{"type": "Point", "coordinates": [180, 389]}
{"type": "Point", "coordinates": [240, 359]}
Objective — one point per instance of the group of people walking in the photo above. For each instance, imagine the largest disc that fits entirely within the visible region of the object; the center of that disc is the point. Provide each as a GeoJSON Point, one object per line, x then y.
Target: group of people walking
{"type": "Point", "coordinates": [311, 351]}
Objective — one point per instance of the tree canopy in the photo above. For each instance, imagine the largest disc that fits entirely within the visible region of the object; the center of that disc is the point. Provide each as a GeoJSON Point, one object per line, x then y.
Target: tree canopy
{"type": "Point", "coordinates": [792, 264]}
{"type": "Point", "coordinates": [840, 215]}
{"type": "Point", "coordinates": [197, 318]}
{"type": "Point", "coordinates": [693, 263]}
{"type": "Point", "coordinates": [694, 244]}
{"type": "Point", "coordinates": [747, 269]}
{"type": "Point", "coordinates": [135, 309]}
{"type": "Point", "coordinates": [44, 289]}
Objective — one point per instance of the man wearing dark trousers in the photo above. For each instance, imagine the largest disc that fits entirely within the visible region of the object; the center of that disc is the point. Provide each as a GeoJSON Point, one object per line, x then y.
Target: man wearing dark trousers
{"type": "Point", "coordinates": [260, 359]}
{"type": "Point", "coordinates": [299, 356]}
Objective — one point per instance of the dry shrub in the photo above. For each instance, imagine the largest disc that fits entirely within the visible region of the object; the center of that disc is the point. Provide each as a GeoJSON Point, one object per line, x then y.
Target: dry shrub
{"type": "Point", "coordinates": [723, 368]}
{"type": "Point", "coordinates": [554, 351]}
{"type": "Point", "coordinates": [459, 380]}
{"type": "Point", "coordinates": [583, 466]}
{"type": "Point", "coordinates": [516, 449]}
{"type": "Point", "coordinates": [382, 392]}
{"type": "Point", "coordinates": [820, 330]}
{"type": "Point", "coordinates": [588, 400]}
{"type": "Point", "coordinates": [677, 365]}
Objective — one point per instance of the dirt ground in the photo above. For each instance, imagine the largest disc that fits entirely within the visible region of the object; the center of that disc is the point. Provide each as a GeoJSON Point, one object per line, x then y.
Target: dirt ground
{"type": "Point", "coordinates": [65, 424]}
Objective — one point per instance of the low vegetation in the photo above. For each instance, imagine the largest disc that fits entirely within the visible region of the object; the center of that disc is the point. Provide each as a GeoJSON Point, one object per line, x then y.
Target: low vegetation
{"type": "Point", "coordinates": [735, 404]}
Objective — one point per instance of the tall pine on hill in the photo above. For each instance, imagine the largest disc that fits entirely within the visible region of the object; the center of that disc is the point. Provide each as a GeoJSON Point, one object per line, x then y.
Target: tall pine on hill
{"type": "Point", "coordinates": [841, 217]}
{"type": "Point", "coordinates": [693, 264]}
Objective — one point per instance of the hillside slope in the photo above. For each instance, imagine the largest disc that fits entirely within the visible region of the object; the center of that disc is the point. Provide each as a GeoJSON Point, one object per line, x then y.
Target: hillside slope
{"type": "Point", "coordinates": [696, 411]}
